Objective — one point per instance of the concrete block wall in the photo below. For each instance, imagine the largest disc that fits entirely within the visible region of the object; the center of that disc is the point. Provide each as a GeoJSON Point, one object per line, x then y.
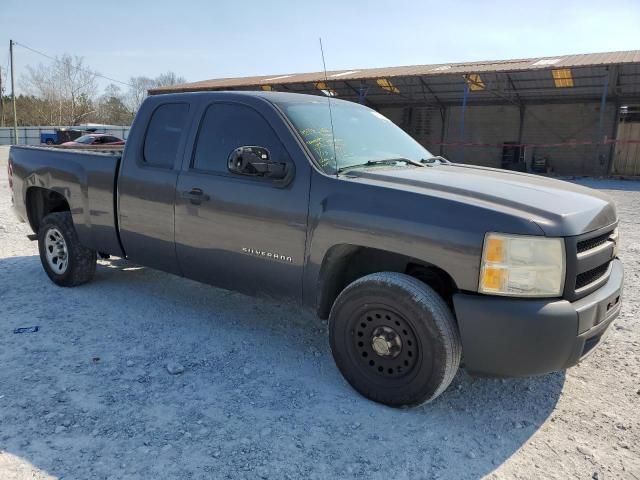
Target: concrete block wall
{"type": "Point", "coordinates": [496, 124]}
{"type": "Point", "coordinates": [492, 124]}
{"type": "Point", "coordinates": [422, 123]}
{"type": "Point", "coordinates": [569, 123]}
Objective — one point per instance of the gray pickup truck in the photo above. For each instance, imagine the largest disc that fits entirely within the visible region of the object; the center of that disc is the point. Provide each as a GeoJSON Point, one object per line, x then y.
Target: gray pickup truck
{"type": "Point", "coordinates": [418, 263]}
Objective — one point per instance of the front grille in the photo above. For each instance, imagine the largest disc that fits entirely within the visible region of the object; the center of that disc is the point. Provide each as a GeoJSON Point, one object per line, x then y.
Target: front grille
{"type": "Point", "coordinates": [594, 242]}
{"type": "Point", "coordinates": [589, 257]}
{"type": "Point", "coordinates": [590, 276]}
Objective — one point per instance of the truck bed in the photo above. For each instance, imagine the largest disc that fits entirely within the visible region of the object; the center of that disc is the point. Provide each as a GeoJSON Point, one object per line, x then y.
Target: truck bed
{"type": "Point", "coordinates": [85, 179]}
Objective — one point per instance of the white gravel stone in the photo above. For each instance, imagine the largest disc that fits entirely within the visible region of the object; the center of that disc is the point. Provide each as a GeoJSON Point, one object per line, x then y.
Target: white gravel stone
{"type": "Point", "coordinates": [174, 368]}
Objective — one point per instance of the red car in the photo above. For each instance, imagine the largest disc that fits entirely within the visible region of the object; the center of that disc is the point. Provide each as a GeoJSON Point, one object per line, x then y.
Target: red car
{"type": "Point", "coordinates": [94, 139]}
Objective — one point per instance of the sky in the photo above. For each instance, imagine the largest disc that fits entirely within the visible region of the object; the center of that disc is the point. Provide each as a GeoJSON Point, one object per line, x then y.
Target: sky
{"type": "Point", "coordinates": [209, 39]}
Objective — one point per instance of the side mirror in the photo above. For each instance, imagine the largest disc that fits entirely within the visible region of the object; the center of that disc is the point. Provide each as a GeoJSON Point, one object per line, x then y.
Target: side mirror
{"type": "Point", "coordinates": [256, 161]}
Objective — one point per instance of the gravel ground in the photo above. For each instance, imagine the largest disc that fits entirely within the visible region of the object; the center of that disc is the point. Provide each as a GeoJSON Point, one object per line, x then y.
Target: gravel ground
{"type": "Point", "coordinates": [140, 374]}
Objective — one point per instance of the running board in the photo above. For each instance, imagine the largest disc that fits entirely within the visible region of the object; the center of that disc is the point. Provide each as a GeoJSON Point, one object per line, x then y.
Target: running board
{"type": "Point", "coordinates": [33, 237]}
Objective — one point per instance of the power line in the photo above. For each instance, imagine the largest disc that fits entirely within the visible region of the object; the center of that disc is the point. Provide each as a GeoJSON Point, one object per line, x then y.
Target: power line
{"type": "Point", "coordinates": [77, 68]}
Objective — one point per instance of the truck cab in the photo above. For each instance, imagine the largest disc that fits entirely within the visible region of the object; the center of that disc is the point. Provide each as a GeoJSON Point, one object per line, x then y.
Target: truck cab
{"type": "Point", "coordinates": [418, 263]}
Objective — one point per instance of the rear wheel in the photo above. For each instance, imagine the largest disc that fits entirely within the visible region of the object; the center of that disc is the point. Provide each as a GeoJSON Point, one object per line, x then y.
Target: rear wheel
{"type": "Point", "coordinates": [394, 339]}
{"type": "Point", "coordinates": [65, 260]}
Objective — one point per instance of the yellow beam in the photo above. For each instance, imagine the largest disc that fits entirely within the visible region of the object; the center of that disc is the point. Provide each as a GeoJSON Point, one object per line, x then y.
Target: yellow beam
{"type": "Point", "coordinates": [386, 84]}
{"type": "Point", "coordinates": [562, 78]}
{"type": "Point", "coordinates": [474, 81]}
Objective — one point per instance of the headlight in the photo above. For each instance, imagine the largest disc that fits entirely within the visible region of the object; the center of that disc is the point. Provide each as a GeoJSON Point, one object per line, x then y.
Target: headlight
{"type": "Point", "coordinates": [522, 266]}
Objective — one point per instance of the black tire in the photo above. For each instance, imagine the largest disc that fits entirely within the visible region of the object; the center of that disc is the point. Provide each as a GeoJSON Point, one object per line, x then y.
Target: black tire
{"type": "Point", "coordinates": [49, 141]}
{"type": "Point", "coordinates": [394, 339]}
{"type": "Point", "coordinates": [80, 261]}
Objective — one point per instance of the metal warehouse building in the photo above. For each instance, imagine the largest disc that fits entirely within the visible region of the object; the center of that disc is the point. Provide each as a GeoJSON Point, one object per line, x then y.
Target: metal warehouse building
{"type": "Point", "coordinates": [570, 114]}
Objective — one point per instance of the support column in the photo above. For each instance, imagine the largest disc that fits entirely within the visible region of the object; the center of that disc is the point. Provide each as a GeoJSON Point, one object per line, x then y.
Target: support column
{"type": "Point", "coordinates": [521, 149]}
{"type": "Point", "coordinates": [614, 136]}
{"type": "Point", "coordinates": [521, 124]}
{"type": "Point", "coordinates": [464, 108]}
{"type": "Point", "coordinates": [443, 131]}
{"type": "Point", "coordinates": [603, 106]}
{"type": "Point", "coordinates": [362, 92]}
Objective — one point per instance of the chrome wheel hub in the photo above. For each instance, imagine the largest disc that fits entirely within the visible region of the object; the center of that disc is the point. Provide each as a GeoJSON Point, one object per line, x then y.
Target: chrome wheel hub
{"type": "Point", "coordinates": [386, 342]}
{"type": "Point", "coordinates": [56, 251]}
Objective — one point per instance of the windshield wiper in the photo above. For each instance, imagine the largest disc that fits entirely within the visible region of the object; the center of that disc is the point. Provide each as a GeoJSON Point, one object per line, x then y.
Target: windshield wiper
{"type": "Point", "coordinates": [434, 159]}
{"type": "Point", "coordinates": [386, 161]}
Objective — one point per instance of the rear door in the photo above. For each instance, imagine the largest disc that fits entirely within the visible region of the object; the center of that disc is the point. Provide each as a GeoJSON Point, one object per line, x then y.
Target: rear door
{"type": "Point", "coordinates": [240, 232]}
{"type": "Point", "coordinates": [147, 184]}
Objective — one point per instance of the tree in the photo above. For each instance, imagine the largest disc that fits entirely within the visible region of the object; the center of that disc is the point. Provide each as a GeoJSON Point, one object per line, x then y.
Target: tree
{"type": "Point", "coordinates": [168, 79]}
{"type": "Point", "coordinates": [66, 87]}
{"type": "Point", "coordinates": [31, 111]}
{"type": "Point", "coordinates": [2, 89]}
{"type": "Point", "coordinates": [140, 87]}
{"type": "Point", "coordinates": [137, 92]}
{"type": "Point", "coordinates": [111, 107]}
{"type": "Point", "coordinates": [79, 87]}
{"type": "Point", "coordinates": [65, 92]}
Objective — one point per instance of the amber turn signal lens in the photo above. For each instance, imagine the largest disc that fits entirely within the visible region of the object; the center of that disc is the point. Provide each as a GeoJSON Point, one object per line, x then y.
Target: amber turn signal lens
{"type": "Point", "coordinates": [493, 278]}
{"type": "Point", "coordinates": [494, 251]}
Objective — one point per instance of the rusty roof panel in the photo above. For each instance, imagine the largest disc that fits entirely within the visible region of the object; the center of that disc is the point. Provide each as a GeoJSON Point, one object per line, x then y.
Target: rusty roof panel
{"type": "Point", "coordinates": [494, 66]}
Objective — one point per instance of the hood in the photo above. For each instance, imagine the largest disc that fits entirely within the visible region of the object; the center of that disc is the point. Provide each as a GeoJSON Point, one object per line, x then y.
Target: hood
{"type": "Point", "coordinates": [559, 208]}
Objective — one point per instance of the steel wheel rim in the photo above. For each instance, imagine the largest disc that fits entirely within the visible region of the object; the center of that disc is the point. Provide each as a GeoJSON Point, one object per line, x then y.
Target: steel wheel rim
{"type": "Point", "coordinates": [56, 251]}
{"type": "Point", "coordinates": [384, 343]}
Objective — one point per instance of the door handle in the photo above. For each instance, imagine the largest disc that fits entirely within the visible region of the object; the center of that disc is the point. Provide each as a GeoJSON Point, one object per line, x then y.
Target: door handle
{"type": "Point", "coordinates": [196, 196]}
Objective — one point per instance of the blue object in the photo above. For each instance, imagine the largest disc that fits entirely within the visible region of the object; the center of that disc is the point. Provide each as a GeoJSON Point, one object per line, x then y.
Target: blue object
{"type": "Point", "coordinates": [49, 138]}
{"type": "Point", "coordinates": [27, 329]}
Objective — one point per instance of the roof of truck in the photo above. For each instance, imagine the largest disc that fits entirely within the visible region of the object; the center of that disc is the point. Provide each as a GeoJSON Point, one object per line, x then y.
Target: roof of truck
{"type": "Point", "coordinates": [275, 97]}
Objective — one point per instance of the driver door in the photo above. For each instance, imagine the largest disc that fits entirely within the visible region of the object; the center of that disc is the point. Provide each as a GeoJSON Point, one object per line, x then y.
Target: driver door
{"type": "Point", "coordinates": [240, 232]}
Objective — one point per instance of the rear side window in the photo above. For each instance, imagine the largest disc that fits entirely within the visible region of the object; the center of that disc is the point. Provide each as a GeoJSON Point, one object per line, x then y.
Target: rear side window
{"type": "Point", "coordinates": [226, 127]}
{"type": "Point", "coordinates": [164, 133]}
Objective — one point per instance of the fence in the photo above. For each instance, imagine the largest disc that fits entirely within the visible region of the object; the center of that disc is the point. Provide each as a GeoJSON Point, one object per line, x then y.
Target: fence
{"type": "Point", "coordinates": [31, 135]}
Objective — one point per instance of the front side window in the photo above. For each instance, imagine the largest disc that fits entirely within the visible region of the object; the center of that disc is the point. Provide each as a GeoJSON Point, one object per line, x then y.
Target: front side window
{"type": "Point", "coordinates": [85, 139]}
{"type": "Point", "coordinates": [165, 130]}
{"type": "Point", "coordinates": [226, 127]}
{"type": "Point", "coordinates": [361, 134]}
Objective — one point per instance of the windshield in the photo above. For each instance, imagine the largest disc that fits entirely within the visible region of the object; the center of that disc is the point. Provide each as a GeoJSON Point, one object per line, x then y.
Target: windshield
{"type": "Point", "coordinates": [84, 139]}
{"type": "Point", "coordinates": [361, 135]}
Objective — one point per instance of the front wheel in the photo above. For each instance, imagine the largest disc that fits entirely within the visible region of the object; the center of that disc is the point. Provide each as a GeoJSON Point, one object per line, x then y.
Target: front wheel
{"type": "Point", "coordinates": [394, 339]}
{"type": "Point", "coordinates": [65, 260]}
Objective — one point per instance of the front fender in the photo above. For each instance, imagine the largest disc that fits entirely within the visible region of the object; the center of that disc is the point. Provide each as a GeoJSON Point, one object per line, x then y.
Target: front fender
{"type": "Point", "coordinates": [435, 230]}
{"type": "Point", "coordinates": [340, 231]}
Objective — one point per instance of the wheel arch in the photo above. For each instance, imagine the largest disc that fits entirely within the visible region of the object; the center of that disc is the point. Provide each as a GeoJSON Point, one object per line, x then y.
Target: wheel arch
{"type": "Point", "coordinates": [40, 202]}
{"type": "Point", "coordinates": [345, 263]}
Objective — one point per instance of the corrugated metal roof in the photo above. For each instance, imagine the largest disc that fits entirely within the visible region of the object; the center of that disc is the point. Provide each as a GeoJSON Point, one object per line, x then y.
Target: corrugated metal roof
{"type": "Point", "coordinates": [446, 69]}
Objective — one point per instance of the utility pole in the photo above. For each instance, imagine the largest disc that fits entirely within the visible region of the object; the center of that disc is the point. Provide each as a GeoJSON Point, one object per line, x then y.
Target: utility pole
{"type": "Point", "coordinates": [13, 96]}
{"type": "Point", "coordinates": [1, 101]}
